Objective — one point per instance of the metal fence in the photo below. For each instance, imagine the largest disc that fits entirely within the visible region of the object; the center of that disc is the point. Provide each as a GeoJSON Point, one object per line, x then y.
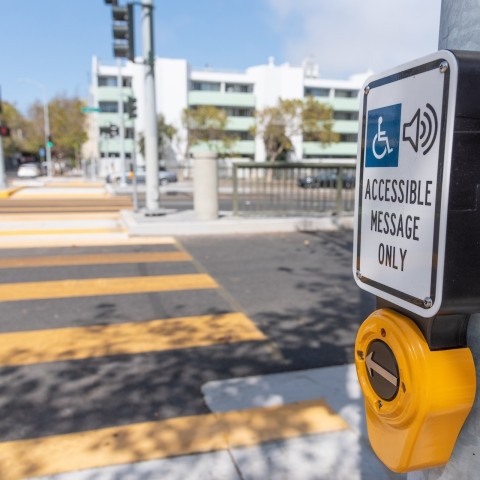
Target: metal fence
{"type": "Point", "coordinates": [293, 189]}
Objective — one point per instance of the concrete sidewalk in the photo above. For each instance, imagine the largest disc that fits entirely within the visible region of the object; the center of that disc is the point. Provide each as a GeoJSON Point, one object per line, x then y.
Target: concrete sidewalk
{"type": "Point", "coordinates": [185, 223]}
{"type": "Point", "coordinates": [340, 455]}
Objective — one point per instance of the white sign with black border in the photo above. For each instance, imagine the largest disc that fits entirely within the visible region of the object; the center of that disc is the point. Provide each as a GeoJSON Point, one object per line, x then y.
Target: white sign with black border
{"type": "Point", "coordinates": [403, 171]}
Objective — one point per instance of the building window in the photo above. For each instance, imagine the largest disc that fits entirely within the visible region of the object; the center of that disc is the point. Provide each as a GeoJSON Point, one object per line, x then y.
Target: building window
{"type": "Point", "coordinates": [239, 112]}
{"type": "Point", "coordinates": [328, 156]}
{"type": "Point", "coordinates": [206, 86]}
{"type": "Point", "coordinates": [239, 88]}
{"type": "Point", "coordinates": [126, 81]}
{"type": "Point", "coordinates": [348, 137]}
{"type": "Point", "coordinates": [316, 92]}
{"type": "Point", "coordinates": [231, 134]}
{"type": "Point", "coordinates": [109, 154]}
{"type": "Point", "coordinates": [111, 107]}
{"type": "Point", "coordinates": [104, 81]}
{"type": "Point", "coordinates": [345, 115]}
{"type": "Point", "coordinates": [108, 107]}
{"type": "Point", "coordinates": [106, 131]}
{"type": "Point", "coordinates": [243, 135]}
{"type": "Point", "coordinates": [346, 93]}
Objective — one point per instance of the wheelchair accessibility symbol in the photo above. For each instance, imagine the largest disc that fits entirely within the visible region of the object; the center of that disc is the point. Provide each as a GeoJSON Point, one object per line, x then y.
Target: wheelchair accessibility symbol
{"type": "Point", "coordinates": [383, 136]}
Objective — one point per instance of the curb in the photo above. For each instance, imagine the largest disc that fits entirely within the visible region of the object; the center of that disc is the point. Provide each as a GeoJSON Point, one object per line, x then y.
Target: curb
{"type": "Point", "coordinates": [185, 223]}
{"type": "Point", "coordinates": [9, 192]}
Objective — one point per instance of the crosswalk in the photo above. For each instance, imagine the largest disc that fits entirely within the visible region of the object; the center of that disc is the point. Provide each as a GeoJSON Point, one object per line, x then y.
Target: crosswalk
{"type": "Point", "coordinates": [63, 326]}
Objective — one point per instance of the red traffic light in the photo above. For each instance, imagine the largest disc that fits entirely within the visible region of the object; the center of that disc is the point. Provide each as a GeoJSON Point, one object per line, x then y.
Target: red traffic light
{"type": "Point", "coordinates": [4, 131]}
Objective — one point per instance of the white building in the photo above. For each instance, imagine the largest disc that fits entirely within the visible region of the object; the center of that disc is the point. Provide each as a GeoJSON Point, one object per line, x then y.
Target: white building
{"type": "Point", "coordinates": [179, 86]}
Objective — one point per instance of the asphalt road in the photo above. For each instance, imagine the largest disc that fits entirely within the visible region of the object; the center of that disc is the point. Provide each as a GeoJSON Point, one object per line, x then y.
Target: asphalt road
{"type": "Point", "coordinates": [297, 289]}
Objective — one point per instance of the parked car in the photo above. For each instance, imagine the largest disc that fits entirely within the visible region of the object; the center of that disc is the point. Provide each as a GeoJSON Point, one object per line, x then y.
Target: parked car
{"type": "Point", "coordinates": [29, 170]}
{"type": "Point", "coordinates": [164, 176]}
{"type": "Point", "coordinates": [326, 179]}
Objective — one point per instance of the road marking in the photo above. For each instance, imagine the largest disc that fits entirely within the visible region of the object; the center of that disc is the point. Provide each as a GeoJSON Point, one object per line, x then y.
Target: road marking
{"type": "Point", "coordinates": [69, 231]}
{"type": "Point", "coordinates": [41, 241]}
{"type": "Point", "coordinates": [97, 259]}
{"type": "Point", "coordinates": [26, 348]}
{"type": "Point", "coordinates": [165, 438]}
{"type": "Point", "coordinates": [103, 286]}
{"type": "Point", "coordinates": [37, 217]}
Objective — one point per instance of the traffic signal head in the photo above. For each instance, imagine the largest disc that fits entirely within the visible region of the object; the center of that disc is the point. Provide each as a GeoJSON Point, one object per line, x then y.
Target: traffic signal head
{"type": "Point", "coordinates": [132, 107]}
{"type": "Point", "coordinates": [4, 131]}
{"type": "Point", "coordinates": [50, 141]}
{"type": "Point", "coordinates": [123, 31]}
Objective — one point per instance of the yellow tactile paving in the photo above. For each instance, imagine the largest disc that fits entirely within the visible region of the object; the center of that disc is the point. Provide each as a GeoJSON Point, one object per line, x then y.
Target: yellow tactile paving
{"type": "Point", "coordinates": [166, 438]}
{"type": "Point", "coordinates": [25, 348]}
{"type": "Point", "coordinates": [103, 286]}
{"type": "Point", "coordinates": [96, 259]}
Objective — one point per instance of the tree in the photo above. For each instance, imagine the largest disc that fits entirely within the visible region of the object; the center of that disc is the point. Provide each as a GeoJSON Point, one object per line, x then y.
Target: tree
{"type": "Point", "coordinates": [67, 126]}
{"type": "Point", "coordinates": [207, 124]}
{"type": "Point", "coordinates": [13, 119]}
{"type": "Point", "coordinates": [165, 133]}
{"type": "Point", "coordinates": [277, 125]}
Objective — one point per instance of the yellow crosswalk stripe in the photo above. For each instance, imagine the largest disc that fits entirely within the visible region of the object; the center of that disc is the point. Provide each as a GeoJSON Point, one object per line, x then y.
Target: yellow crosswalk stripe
{"type": "Point", "coordinates": [165, 438]}
{"type": "Point", "coordinates": [24, 348]}
{"type": "Point", "coordinates": [69, 231]}
{"type": "Point", "coordinates": [103, 286]}
{"type": "Point", "coordinates": [75, 240]}
{"type": "Point", "coordinates": [94, 259]}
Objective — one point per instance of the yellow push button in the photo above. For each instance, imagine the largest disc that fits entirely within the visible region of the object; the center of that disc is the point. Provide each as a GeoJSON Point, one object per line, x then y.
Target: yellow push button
{"type": "Point", "coordinates": [416, 400]}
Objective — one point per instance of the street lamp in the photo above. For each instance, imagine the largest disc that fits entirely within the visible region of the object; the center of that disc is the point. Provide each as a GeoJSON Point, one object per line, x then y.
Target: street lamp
{"type": "Point", "coordinates": [46, 123]}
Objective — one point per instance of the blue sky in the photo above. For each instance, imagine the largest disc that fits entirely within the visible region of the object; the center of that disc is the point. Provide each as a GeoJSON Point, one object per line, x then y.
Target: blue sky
{"type": "Point", "coordinates": [52, 41]}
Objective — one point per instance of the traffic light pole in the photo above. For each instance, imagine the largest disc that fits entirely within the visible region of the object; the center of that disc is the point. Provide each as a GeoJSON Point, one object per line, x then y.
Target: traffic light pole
{"type": "Point", "coordinates": [48, 148]}
{"type": "Point", "coordinates": [3, 180]}
{"type": "Point", "coordinates": [3, 183]}
{"type": "Point", "coordinates": [459, 31]}
{"type": "Point", "coordinates": [150, 117]}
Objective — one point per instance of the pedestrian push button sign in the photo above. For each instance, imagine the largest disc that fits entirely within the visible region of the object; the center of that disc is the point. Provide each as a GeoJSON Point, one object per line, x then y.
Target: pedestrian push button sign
{"type": "Point", "coordinates": [403, 173]}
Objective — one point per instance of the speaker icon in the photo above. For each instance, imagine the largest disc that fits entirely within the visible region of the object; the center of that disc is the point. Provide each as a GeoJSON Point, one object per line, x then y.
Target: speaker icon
{"type": "Point", "coordinates": [422, 128]}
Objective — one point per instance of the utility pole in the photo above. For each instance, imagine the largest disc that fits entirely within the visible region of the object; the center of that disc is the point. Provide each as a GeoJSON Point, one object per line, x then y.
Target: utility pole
{"type": "Point", "coordinates": [3, 183]}
{"type": "Point", "coordinates": [150, 116]}
{"type": "Point", "coordinates": [123, 181]}
{"type": "Point", "coordinates": [46, 124]}
{"type": "Point", "coordinates": [48, 144]}
{"type": "Point", "coordinates": [459, 22]}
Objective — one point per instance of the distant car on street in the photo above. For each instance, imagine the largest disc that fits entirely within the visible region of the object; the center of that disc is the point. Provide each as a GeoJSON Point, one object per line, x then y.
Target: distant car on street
{"type": "Point", "coordinates": [164, 176]}
{"type": "Point", "coordinates": [29, 170]}
{"type": "Point", "coordinates": [326, 179]}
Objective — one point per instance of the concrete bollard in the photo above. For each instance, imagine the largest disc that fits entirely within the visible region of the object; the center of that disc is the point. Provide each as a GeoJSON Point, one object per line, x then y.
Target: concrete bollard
{"type": "Point", "coordinates": [205, 185]}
